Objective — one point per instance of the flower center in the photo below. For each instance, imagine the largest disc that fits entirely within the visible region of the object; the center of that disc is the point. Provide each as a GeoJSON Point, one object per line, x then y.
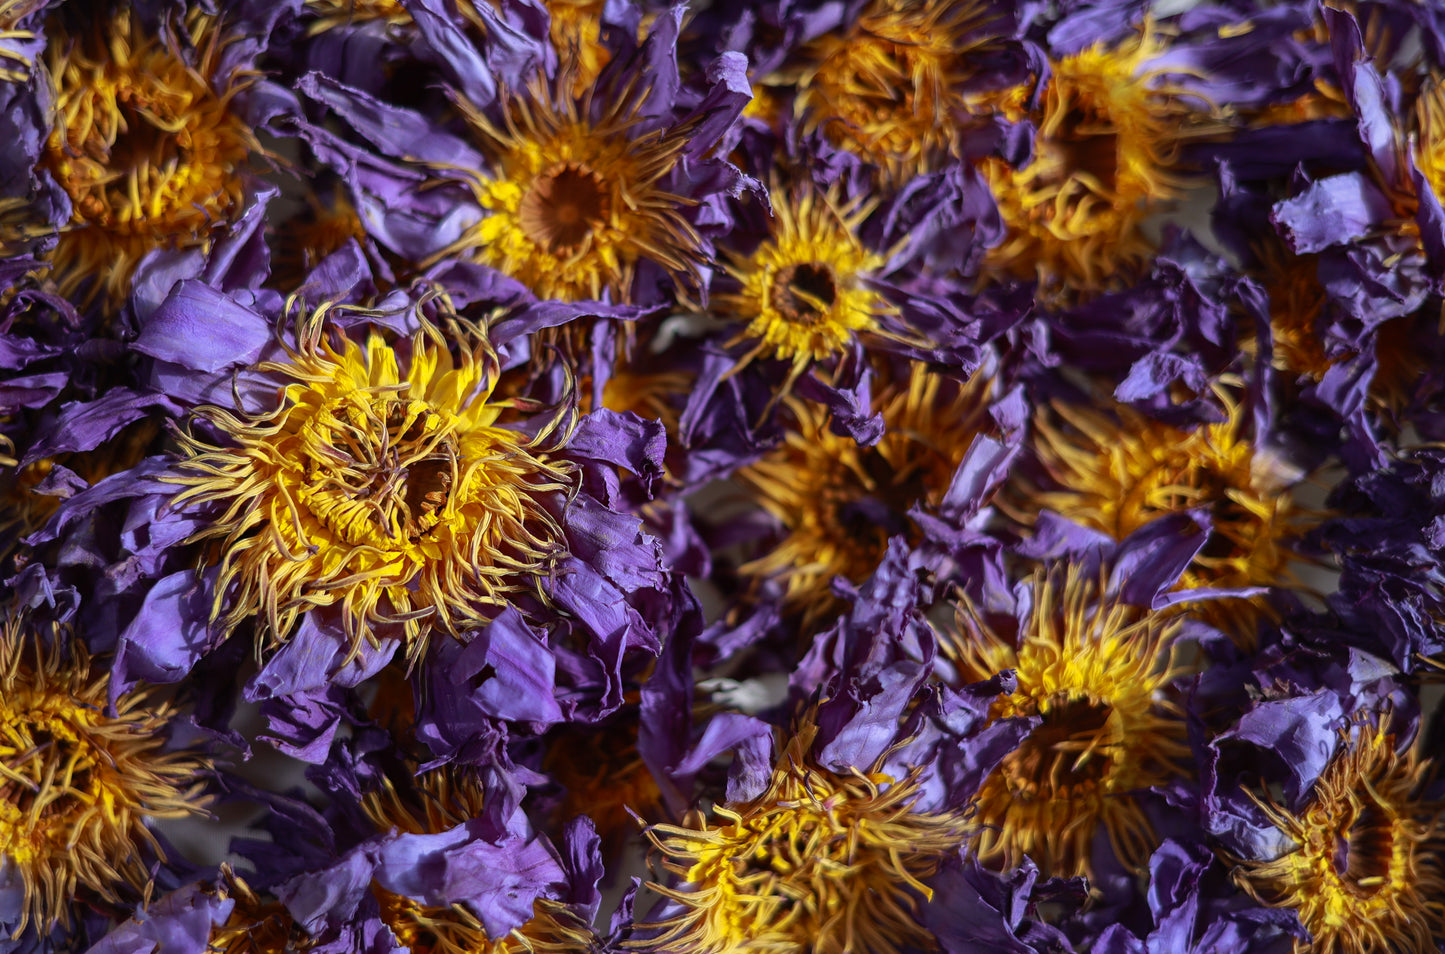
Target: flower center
{"type": "Point", "coordinates": [1088, 146]}
{"type": "Point", "coordinates": [78, 785]}
{"type": "Point", "coordinates": [804, 294]}
{"type": "Point", "coordinates": [1068, 755]}
{"type": "Point", "coordinates": [564, 206]}
{"type": "Point", "coordinates": [1363, 853]}
{"type": "Point", "coordinates": [378, 472]}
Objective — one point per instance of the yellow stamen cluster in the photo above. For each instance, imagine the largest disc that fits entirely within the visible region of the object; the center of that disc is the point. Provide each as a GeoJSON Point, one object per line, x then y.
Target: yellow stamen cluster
{"type": "Point", "coordinates": [1097, 672]}
{"type": "Point", "coordinates": [1365, 874]}
{"type": "Point", "coordinates": [144, 143]}
{"type": "Point", "coordinates": [433, 801]}
{"type": "Point", "coordinates": [893, 87]}
{"type": "Point", "coordinates": [1117, 472]}
{"type": "Point", "coordinates": [826, 490]}
{"type": "Point", "coordinates": [1429, 143]}
{"type": "Point", "coordinates": [78, 784]}
{"type": "Point", "coordinates": [381, 484]}
{"type": "Point", "coordinates": [804, 291]}
{"type": "Point", "coordinates": [820, 862]}
{"type": "Point", "coordinates": [432, 929]}
{"type": "Point", "coordinates": [574, 204]}
{"type": "Point", "coordinates": [253, 926]}
{"type": "Point", "coordinates": [1106, 154]}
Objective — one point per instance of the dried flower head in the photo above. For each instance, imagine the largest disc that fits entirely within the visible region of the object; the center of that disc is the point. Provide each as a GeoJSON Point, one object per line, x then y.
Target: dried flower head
{"type": "Point", "coordinates": [1106, 156]}
{"type": "Point", "coordinates": [804, 291]}
{"type": "Point", "coordinates": [893, 86]}
{"type": "Point", "coordinates": [1117, 471]}
{"type": "Point", "coordinates": [380, 483]}
{"type": "Point", "coordinates": [575, 199]}
{"type": "Point", "coordinates": [1366, 874]}
{"type": "Point", "coordinates": [145, 144]}
{"type": "Point", "coordinates": [840, 502]}
{"type": "Point", "coordinates": [820, 862]}
{"type": "Point", "coordinates": [80, 783]}
{"type": "Point", "coordinates": [1097, 672]}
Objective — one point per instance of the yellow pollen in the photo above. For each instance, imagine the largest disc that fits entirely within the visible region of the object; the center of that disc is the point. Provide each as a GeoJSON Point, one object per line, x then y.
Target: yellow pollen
{"type": "Point", "coordinates": [1105, 158]}
{"type": "Point", "coordinates": [820, 863]}
{"type": "Point", "coordinates": [574, 205]}
{"type": "Point", "coordinates": [1097, 673]}
{"type": "Point", "coordinates": [893, 87]}
{"type": "Point", "coordinates": [839, 502]}
{"type": "Point", "coordinates": [804, 291]}
{"type": "Point", "coordinates": [145, 145]}
{"type": "Point", "coordinates": [379, 484]}
{"type": "Point", "coordinates": [1365, 874]}
{"type": "Point", "coordinates": [77, 786]}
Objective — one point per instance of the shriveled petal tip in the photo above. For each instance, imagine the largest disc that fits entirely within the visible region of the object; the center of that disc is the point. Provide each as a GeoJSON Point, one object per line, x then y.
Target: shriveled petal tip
{"type": "Point", "coordinates": [1332, 211]}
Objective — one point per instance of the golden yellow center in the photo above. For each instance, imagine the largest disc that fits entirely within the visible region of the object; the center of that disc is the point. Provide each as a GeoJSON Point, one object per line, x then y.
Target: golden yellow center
{"type": "Point", "coordinates": [378, 472]}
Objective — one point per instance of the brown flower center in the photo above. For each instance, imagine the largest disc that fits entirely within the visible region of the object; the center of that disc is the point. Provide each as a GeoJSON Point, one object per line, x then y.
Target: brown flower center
{"type": "Point", "coordinates": [1068, 754]}
{"type": "Point", "coordinates": [804, 293]}
{"type": "Point", "coordinates": [1364, 851]}
{"type": "Point", "coordinates": [563, 206]}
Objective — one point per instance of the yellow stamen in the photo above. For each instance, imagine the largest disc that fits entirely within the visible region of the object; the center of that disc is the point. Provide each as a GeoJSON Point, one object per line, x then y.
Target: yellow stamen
{"type": "Point", "coordinates": [253, 926]}
{"type": "Point", "coordinates": [820, 862]}
{"type": "Point", "coordinates": [1365, 874]}
{"type": "Point", "coordinates": [1097, 672]}
{"type": "Point", "coordinates": [380, 484]}
{"type": "Point", "coordinates": [14, 67]}
{"type": "Point", "coordinates": [77, 785]}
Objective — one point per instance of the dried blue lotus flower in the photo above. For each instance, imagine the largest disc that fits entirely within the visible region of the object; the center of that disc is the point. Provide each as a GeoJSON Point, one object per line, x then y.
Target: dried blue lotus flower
{"type": "Point", "coordinates": [82, 780]}
{"type": "Point", "coordinates": [381, 484]}
{"type": "Point", "coordinates": [840, 501]}
{"type": "Point", "coordinates": [1111, 124]}
{"type": "Point", "coordinates": [1116, 471]}
{"type": "Point", "coordinates": [820, 860]}
{"type": "Point", "coordinates": [899, 83]}
{"type": "Point", "coordinates": [150, 146]}
{"type": "Point", "coordinates": [1098, 673]}
{"type": "Point", "coordinates": [1363, 871]}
